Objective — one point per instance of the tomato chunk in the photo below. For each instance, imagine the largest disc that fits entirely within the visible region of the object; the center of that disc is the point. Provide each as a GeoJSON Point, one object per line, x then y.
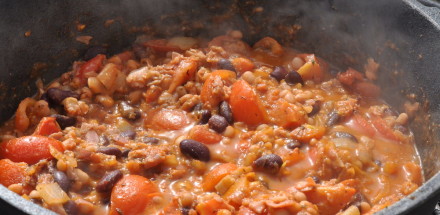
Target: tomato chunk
{"type": "Point", "coordinates": [212, 87]}
{"type": "Point", "coordinates": [215, 175]}
{"type": "Point", "coordinates": [47, 126]}
{"type": "Point", "coordinates": [204, 135]}
{"type": "Point", "coordinates": [132, 195]}
{"type": "Point", "coordinates": [30, 149]}
{"type": "Point", "coordinates": [93, 65]}
{"type": "Point", "coordinates": [11, 173]}
{"type": "Point", "coordinates": [167, 119]}
{"type": "Point", "coordinates": [246, 105]}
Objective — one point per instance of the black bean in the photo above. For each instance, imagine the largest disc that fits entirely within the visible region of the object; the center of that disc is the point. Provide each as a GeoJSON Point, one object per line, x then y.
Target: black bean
{"type": "Point", "coordinates": [204, 116]}
{"type": "Point", "coordinates": [270, 163]}
{"type": "Point", "coordinates": [226, 112]}
{"type": "Point", "coordinates": [341, 134]}
{"type": "Point", "coordinates": [279, 73]}
{"type": "Point", "coordinates": [71, 208]}
{"type": "Point", "coordinates": [218, 123]}
{"type": "Point", "coordinates": [185, 211]}
{"type": "Point", "coordinates": [64, 121]}
{"type": "Point", "coordinates": [44, 97]}
{"type": "Point", "coordinates": [62, 180]}
{"type": "Point", "coordinates": [332, 118]}
{"type": "Point", "coordinates": [130, 134]}
{"type": "Point", "coordinates": [293, 144]}
{"type": "Point", "coordinates": [108, 181]}
{"type": "Point", "coordinates": [315, 108]}
{"type": "Point", "coordinates": [56, 96]}
{"type": "Point", "coordinates": [195, 149]}
{"type": "Point", "coordinates": [225, 64]}
{"type": "Point", "coordinates": [110, 151]}
{"type": "Point", "coordinates": [197, 107]}
{"type": "Point", "coordinates": [125, 153]}
{"type": "Point", "coordinates": [129, 112]}
{"type": "Point", "coordinates": [293, 77]}
{"type": "Point", "coordinates": [316, 179]}
{"type": "Point", "coordinates": [93, 51]}
{"type": "Point", "coordinates": [150, 140]}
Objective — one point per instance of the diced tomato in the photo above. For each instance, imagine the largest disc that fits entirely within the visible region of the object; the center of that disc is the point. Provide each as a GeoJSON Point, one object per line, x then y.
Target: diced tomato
{"type": "Point", "coordinates": [132, 195]}
{"type": "Point", "coordinates": [93, 65]}
{"type": "Point", "coordinates": [184, 72]}
{"type": "Point", "coordinates": [288, 115]}
{"type": "Point", "coordinates": [242, 64]}
{"type": "Point", "coordinates": [215, 175]}
{"type": "Point", "coordinates": [306, 132]}
{"type": "Point", "coordinates": [11, 173]}
{"type": "Point", "coordinates": [210, 207]}
{"type": "Point", "coordinates": [204, 135]}
{"type": "Point", "coordinates": [350, 76]}
{"type": "Point", "coordinates": [210, 86]}
{"type": "Point", "coordinates": [330, 199]}
{"type": "Point", "coordinates": [30, 149]}
{"type": "Point", "coordinates": [383, 128]}
{"type": "Point", "coordinates": [367, 89]}
{"type": "Point", "coordinates": [47, 126]}
{"type": "Point", "coordinates": [161, 45]}
{"type": "Point", "coordinates": [168, 119]}
{"type": "Point", "coordinates": [362, 123]}
{"type": "Point", "coordinates": [246, 105]}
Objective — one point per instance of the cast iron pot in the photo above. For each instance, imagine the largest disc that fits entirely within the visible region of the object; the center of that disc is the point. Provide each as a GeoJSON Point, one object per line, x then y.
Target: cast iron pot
{"type": "Point", "coordinates": [403, 36]}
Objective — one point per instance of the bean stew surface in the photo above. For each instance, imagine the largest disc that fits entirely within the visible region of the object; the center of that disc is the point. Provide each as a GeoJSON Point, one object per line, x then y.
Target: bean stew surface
{"type": "Point", "coordinates": [205, 127]}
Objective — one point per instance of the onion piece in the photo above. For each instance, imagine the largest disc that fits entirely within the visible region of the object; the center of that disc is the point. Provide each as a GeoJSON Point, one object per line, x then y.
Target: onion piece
{"type": "Point", "coordinates": [52, 193]}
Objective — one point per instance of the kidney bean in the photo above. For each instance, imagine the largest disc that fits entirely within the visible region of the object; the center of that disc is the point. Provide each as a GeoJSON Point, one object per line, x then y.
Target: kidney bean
{"type": "Point", "coordinates": [64, 121]}
{"type": "Point", "coordinates": [93, 51]}
{"type": "Point", "coordinates": [62, 180]}
{"type": "Point", "coordinates": [129, 112]}
{"type": "Point", "coordinates": [71, 208]}
{"type": "Point", "coordinates": [218, 123]}
{"type": "Point", "coordinates": [108, 181]}
{"type": "Point", "coordinates": [204, 116]}
{"type": "Point", "coordinates": [150, 140]}
{"type": "Point", "coordinates": [293, 144]}
{"type": "Point", "coordinates": [110, 151]}
{"type": "Point", "coordinates": [56, 96]}
{"type": "Point", "coordinates": [226, 112]}
{"type": "Point", "coordinates": [293, 77]}
{"type": "Point", "coordinates": [341, 134]}
{"type": "Point", "coordinates": [225, 64]}
{"type": "Point", "coordinates": [279, 73]}
{"type": "Point", "coordinates": [195, 150]}
{"type": "Point", "coordinates": [332, 118]}
{"type": "Point", "coordinates": [315, 108]}
{"type": "Point", "coordinates": [270, 163]}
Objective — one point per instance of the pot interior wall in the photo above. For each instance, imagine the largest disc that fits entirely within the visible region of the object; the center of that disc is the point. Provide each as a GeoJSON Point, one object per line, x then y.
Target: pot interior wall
{"type": "Point", "coordinates": [399, 38]}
